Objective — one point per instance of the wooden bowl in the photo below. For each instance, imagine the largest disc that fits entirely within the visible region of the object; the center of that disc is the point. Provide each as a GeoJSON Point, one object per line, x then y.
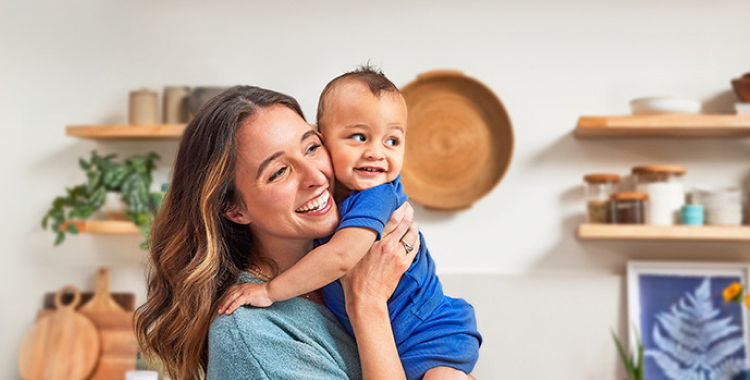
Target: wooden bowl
{"type": "Point", "coordinates": [459, 140]}
{"type": "Point", "coordinates": [742, 87]}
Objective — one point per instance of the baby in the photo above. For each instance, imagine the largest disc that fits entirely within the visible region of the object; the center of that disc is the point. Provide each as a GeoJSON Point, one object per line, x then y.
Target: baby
{"type": "Point", "coordinates": [362, 117]}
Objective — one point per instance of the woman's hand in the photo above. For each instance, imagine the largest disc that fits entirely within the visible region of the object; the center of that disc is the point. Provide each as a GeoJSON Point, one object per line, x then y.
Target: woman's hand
{"type": "Point", "coordinates": [367, 288]}
{"type": "Point", "coordinates": [375, 277]}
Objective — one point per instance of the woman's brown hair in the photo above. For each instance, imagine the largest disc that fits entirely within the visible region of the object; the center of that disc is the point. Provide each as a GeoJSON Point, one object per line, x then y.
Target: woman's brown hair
{"type": "Point", "coordinates": [196, 253]}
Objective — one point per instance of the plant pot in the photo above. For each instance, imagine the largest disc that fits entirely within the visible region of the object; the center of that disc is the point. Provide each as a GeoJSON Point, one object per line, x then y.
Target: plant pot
{"type": "Point", "coordinates": [113, 207]}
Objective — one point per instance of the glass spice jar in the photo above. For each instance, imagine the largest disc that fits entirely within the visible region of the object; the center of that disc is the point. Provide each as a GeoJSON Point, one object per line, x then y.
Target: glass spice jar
{"type": "Point", "coordinates": [598, 189]}
{"type": "Point", "coordinates": [666, 192]}
{"type": "Point", "coordinates": [628, 208]}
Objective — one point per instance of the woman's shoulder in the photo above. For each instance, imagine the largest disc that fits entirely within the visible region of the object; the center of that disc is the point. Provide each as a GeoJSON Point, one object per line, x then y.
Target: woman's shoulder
{"type": "Point", "coordinates": [302, 331]}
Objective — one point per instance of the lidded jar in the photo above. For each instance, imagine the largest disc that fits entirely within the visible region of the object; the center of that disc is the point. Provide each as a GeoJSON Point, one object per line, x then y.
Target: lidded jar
{"type": "Point", "coordinates": [628, 208]}
{"type": "Point", "coordinates": [598, 189]}
{"type": "Point", "coordinates": [665, 189]}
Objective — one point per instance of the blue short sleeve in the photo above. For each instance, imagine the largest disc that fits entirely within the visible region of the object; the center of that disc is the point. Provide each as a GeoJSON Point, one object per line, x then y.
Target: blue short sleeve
{"type": "Point", "coordinates": [371, 208]}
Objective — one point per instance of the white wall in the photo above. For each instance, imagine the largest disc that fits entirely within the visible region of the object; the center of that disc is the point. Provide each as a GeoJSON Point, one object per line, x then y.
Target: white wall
{"type": "Point", "coordinates": [545, 301]}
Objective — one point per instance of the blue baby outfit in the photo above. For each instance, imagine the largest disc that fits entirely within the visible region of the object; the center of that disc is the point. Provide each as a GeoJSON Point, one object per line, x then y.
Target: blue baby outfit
{"type": "Point", "coordinates": [430, 328]}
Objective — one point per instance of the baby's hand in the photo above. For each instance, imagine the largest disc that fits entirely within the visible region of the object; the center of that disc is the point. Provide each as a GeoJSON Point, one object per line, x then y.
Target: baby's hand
{"type": "Point", "coordinates": [245, 294]}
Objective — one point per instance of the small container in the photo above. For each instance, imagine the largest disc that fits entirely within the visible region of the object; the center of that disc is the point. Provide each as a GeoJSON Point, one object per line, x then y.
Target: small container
{"type": "Point", "coordinates": [666, 192]}
{"type": "Point", "coordinates": [141, 375]}
{"type": "Point", "coordinates": [723, 205]}
{"type": "Point", "coordinates": [598, 189]}
{"type": "Point", "coordinates": [114, 207]}
{"type": "Point", "coordinates": [692, 213]}
{"type": "Point", "coordinates": [143, 107]}
{"type": "Point", "coordinates": [175, 103]}
{"type": "Point", "coordinates": [628, 208]}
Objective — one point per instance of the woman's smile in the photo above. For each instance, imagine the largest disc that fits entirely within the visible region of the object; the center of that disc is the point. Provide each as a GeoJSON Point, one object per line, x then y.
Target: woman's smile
{"type": "Point", "coordinates": [317, 206]}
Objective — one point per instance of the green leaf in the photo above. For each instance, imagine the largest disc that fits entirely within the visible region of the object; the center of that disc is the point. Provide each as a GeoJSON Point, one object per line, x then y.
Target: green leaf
{"type": "Point", "coordinates": [640, 374]}
{"type": "Point", "coordinates": [94, 178]}
{"type": "Point", "coordinates": [60, 238]}
{"type": "Point", "coordinates": [626, 360]}
{"type": "Point", "coordinates": [71, 228]}
{"type": "Point", "coordinates": [98, 197]}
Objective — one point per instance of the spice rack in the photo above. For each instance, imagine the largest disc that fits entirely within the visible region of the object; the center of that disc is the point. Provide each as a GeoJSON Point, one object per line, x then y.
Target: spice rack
{"type": "Point", "coordinates": [672, 126]}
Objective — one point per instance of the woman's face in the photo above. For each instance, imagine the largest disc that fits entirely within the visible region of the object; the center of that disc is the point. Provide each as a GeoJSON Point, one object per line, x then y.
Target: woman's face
{"type": "Point", "coordinates": [284, 177]}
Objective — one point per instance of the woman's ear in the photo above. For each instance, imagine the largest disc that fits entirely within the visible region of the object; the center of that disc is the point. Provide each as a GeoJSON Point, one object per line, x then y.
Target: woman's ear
{"type": "Point", "coordinates": [235, 215]}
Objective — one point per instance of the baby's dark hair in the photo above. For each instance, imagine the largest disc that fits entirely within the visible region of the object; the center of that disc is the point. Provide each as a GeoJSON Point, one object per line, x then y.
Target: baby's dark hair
{"type": "Point", "coordinates": [373, 78]}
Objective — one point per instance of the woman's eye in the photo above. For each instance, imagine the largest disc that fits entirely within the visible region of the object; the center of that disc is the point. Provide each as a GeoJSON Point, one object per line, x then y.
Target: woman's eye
{"type": "Point", "coordinates": [277, 174]}
{"type": "Point", "coordinates": [313, 148]}
{"type": "Point", "coordinates": [392, 141]}
{"type": "Point", "coordinates": [358, 137]}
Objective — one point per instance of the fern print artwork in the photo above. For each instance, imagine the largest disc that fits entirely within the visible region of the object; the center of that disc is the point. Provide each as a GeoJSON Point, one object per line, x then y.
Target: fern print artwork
{"type": "Point", "coordinates": [688, 331]}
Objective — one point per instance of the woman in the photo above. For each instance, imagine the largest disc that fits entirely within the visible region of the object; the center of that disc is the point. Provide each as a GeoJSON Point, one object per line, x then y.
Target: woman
{"type": "Point", "coordinates": [251, 190]}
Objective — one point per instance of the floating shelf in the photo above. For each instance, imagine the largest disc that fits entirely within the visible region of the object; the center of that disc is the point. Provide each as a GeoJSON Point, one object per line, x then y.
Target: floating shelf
{"type": "Point", "coordinates": [156, 131]}
{"type": "Point", "coordinates": [109, 227]}
{"type": "Point", "coordinates": [664, 233]}
{"type": "Point", "coordinates": [664, 126]}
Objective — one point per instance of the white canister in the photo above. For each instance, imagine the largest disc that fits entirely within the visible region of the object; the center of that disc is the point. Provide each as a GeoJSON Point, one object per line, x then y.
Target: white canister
{"type": "Point", "coordinates": [142, 375]}
{"type": "Point", "coordinates": [666, 192]}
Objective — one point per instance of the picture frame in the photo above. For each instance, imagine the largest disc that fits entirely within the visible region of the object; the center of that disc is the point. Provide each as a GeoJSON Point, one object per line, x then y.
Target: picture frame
{"type": "Point", "coordinates": [687, 329]}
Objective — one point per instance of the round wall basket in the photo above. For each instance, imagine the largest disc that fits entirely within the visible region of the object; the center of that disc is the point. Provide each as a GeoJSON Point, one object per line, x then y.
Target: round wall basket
{"type": "Point", "coordinates": [459, 140]}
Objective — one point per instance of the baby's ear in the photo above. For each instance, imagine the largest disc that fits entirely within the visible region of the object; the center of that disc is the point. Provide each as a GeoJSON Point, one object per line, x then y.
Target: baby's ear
{"type": "Point", "coordinates": [235, 215]}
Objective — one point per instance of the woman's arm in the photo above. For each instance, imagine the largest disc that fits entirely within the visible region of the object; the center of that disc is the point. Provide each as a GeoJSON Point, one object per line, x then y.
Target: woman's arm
{"type": "Point", "coordinates": [367, 288]}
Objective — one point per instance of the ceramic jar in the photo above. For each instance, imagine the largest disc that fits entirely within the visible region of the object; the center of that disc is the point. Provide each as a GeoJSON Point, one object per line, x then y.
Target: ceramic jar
{"type": "Point", "coordinates": [666, 192]}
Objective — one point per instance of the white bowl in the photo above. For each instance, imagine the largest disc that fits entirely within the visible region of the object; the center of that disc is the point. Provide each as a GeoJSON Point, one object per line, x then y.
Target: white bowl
{"type": "Point", "coordinates": [665, 105]}
{"type": "Point", "coordinates": [742, 108]}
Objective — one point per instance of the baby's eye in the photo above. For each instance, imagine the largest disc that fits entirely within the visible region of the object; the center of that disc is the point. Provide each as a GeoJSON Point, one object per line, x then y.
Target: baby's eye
{"type": "Point", "coordinates": [277, 174]}
{"type": "Point", "coordinates": [392, 141]}
{"type": "Point", "coordinates": [358, 137]}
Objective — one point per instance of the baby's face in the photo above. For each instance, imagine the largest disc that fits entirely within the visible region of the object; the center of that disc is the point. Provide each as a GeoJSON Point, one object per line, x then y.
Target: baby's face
{"type": "Point", "coordinates": [365, 135]}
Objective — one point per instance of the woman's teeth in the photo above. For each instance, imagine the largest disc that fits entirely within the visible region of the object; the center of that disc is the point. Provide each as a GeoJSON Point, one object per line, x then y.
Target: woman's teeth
{"type": "Point", "coordinates": [315, 204]}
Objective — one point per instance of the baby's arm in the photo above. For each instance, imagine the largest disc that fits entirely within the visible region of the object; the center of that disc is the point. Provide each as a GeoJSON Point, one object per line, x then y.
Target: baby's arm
{"type": "Point", "coordinates": [318, 268]}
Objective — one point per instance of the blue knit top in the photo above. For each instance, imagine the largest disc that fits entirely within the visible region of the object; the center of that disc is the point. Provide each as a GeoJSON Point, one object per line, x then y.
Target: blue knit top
{"type": "Point", "coordinates": [293, 339]}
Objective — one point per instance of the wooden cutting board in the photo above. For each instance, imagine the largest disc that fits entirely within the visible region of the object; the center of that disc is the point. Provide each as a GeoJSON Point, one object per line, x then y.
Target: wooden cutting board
{"type": "Point", "coordinates": [115, 324]}
{"type": "Point", "coordinates": [125, 300]}
{"type": "Point", "coordinates": [119, 351]}
{"type": "Point", "coordinates": [61, 345]}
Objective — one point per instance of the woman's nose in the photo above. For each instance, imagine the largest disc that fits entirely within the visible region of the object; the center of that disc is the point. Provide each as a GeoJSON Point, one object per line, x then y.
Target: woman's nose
{"type": "Point", "coordinates": [312, 175]}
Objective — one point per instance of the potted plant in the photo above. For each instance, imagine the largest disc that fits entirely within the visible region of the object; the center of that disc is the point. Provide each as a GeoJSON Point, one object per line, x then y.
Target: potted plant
{"type": "Point", "coordinates": [132, 178]}
{"type": "Point", "coordinates": [633, 365]}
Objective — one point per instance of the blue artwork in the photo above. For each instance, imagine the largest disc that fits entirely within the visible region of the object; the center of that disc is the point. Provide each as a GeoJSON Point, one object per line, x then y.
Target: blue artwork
{"type": "Point", "coordinates": [688, 331]}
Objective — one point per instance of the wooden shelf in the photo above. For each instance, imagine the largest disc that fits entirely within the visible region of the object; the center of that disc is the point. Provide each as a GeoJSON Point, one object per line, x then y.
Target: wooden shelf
{"type": "Point", "coordinates": [157, 131]}
{"type": "Point", "coordinates": [664, 233]}
{"type": "Point", "coordinates": [108, 227]}
{"type": "Point", "coordinates": [664, 126]}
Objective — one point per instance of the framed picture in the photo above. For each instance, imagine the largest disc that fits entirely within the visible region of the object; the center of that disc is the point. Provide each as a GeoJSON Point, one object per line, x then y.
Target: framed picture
{"type": "Point", "coordinates": [687, 328]}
